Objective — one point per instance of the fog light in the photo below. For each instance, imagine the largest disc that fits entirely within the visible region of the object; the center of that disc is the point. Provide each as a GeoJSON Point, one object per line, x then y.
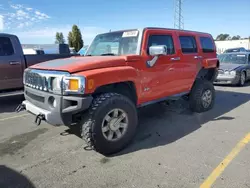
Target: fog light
{"type": "Point", "coordinates": [52, 101]}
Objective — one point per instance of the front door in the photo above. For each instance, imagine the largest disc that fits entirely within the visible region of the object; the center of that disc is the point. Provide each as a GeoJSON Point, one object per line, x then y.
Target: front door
{"type": "Point", "coordinates": [157, 80]}
{"type": "Point", "coordinates": [10, 66]}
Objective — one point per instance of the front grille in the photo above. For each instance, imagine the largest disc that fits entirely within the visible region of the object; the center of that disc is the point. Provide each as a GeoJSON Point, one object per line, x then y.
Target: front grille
{"type": "Point", "coordinates": [35, 80]}
{"type": "Point", "coordinates": [41, 79]}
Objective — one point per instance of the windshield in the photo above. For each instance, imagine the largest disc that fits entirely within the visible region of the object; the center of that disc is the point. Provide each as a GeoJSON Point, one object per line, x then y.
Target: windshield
{"type": "Point", "coordinates": [116, 43]}
{"type": "Point", "coordinates": [233, 58]}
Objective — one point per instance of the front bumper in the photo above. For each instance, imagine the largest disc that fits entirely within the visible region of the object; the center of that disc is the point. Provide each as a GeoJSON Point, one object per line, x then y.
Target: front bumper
{"type": "Point", "coordinates": [56, 109]}
{"type": "Point", "coordinates": [227, 79]}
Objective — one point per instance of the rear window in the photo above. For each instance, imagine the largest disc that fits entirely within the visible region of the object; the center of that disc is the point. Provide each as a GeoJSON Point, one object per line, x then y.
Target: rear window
{"type": "Point", "coordinates": [6, 47]}
{"type": "Point", "coordinates": [207, 45]}
{"type": "Point", "coordinates": [188, 44]}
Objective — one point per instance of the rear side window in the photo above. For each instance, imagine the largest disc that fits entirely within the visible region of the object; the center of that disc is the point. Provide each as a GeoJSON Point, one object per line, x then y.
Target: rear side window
{"type": "Point", "coordinates": [162, 40]}
{"type": "Point", "coordinates": [6, 47]}
{"type": "Point", "coordinates": [188, 44]}
{"type": "Point", "coordinates": [207, 45]}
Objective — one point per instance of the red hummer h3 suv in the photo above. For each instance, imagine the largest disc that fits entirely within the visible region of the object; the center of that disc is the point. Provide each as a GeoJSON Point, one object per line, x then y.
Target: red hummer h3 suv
{"type": "Point", "coordinates": [123, 70]}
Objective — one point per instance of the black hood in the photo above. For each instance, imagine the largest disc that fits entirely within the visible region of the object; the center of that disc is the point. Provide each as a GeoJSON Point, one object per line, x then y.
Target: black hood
{"type": "Point", "coordinates": [230, 66]}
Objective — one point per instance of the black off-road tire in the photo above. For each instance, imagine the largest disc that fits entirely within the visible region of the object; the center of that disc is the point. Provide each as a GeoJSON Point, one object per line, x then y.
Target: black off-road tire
{"type": "Point", "coordinates": [91, 127]}
{"type": "Point", "coordinates": [195, 97]}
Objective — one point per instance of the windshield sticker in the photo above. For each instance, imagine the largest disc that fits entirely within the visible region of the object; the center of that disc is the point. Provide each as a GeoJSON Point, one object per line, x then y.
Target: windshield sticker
{"type": "Point", "coordinates": [130, 34]}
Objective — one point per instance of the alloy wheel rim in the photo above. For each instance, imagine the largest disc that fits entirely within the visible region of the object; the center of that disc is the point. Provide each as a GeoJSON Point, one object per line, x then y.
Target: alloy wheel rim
{"type": "Point", "coordinates": [115, 124]}
{"type": "Point", "coordinates": [206, 98]}
{"type": "Point", "coordinates": [242, 78]}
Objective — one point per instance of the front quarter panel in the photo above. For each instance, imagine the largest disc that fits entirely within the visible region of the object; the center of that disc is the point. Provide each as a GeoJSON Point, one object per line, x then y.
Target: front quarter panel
{"type": "Point", "coordinates": [241, 68]}
{"type": "Point", "coordinates": [100, 77]}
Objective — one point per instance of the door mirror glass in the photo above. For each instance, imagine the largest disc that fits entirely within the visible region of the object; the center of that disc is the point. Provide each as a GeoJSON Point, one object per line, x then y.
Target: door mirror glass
{"type": "Point", "coordinates": [158, 50]}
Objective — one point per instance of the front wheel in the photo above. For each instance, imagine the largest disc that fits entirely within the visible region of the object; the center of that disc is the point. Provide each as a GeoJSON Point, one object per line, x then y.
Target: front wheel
{"type": "Point", "coordinates": [202, 96]}
{"type": "Point", "coordinates": [110, 124]}
{"type": "Point", "coordinates": [242, 79]}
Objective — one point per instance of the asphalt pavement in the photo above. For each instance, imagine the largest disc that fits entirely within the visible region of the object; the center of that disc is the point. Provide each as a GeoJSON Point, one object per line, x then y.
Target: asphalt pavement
{"type": "Point", "coordinates": [173, 148]}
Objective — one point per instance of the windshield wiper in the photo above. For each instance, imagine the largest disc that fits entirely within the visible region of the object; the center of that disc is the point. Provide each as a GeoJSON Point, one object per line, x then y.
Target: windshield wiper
{"type": "Point", "coordinates": [112, 54]}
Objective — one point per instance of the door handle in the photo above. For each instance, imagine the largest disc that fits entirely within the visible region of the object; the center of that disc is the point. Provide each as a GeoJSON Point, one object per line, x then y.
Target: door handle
{"type": "Point", "coordinates": [15, 63]}
{"type": "Point", "coordinates": [175, 58]}
{"type": "Point", "coordinates": [197, 57]}
{"type": "Point", "coordinates": [171, 69]}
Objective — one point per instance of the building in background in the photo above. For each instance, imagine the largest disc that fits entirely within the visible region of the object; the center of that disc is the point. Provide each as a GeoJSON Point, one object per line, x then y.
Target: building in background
{"type": "Point", "coordinates": [221, 46]}
{"type": "Point", "coordinates": [48, 48]}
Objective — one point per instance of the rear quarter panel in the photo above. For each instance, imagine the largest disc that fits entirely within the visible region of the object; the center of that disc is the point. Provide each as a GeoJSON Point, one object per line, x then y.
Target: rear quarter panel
{"type": "Point", "coordinates": [209, 59]}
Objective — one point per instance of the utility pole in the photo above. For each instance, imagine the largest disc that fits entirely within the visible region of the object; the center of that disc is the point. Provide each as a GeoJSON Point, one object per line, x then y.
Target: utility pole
{"type": "Point", "coordinates": [178, 18]}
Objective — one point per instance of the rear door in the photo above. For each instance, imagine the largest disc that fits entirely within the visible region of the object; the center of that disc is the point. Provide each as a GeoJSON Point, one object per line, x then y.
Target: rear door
{"type": "Point", "coordinates": [10, 65]}
{"type": "Point", "coordinates": [190, 61]}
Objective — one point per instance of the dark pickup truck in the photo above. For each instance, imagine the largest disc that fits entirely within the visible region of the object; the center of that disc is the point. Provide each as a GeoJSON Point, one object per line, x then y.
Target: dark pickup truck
{"type": "Point", "coordinates": [13, 63]}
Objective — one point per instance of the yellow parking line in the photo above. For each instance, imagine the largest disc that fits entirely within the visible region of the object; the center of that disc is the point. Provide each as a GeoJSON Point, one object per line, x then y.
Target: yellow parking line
{"type": "Point", "coordinates": [13, 117]}
{"type": "Point", "coordinates": [221, 167]}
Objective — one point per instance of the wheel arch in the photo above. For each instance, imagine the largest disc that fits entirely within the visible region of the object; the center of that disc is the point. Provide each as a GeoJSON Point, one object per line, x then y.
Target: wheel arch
{"type": "Point", "coordinates": [209, 74]}
{"type": "Point", "coordinates": [126, 88]}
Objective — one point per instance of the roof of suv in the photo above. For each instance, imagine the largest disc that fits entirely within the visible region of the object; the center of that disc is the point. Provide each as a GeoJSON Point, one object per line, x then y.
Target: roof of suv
{"type": "Point", "coordinates": [160, 28]}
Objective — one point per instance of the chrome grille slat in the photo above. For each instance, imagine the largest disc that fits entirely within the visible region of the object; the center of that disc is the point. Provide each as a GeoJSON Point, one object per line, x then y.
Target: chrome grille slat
{"type": "Point", "coordinates": [40, 80]}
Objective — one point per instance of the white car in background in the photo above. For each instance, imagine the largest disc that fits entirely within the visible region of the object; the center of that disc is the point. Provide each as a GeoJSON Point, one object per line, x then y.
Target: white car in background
{"type": "Point", "coordinates": [72, 50]}
{"type": "Point", "coordinates": [27, 51]}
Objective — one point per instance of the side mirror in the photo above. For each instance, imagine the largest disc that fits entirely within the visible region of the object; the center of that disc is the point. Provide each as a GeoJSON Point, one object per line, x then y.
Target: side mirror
{"type": "Point", "coordinates": [156, 51]}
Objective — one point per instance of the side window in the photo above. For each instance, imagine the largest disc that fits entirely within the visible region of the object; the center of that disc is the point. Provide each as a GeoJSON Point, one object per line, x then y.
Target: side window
{"type": "Point", "coordinates": [6, 47]}
{"type": "Point", "coordinates": [249, 58]}
{"type": "Point", "coordinates": [188, 44]}
{"type": "Point", "coordinates": [161, 40]}
{"type": "Point", "coordinates": [207, 45]}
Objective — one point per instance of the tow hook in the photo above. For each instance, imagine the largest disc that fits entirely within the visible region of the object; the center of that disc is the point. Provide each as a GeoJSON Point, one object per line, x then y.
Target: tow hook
{"type": "Point", "coordinates": [20, 108]}
{"type": "Point", "coordinates": [39, 118]}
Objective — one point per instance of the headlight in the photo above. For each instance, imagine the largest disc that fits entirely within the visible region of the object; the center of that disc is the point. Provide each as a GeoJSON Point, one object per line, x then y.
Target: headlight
{"type": "Point", "coordinates": [73, 84]}
{"type": "Point", "coordinates": [226, 72]}
{"type": "Point", "coordinates": [55, 84]}
{"type": "Point", "coordinates": [233, 73]}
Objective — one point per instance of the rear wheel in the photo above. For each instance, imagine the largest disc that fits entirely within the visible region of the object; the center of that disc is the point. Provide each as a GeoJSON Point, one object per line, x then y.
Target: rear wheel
{"type": "Point", "coordinates": [110, 124]}
{"type": "Point", "coordinates": [202, 96]}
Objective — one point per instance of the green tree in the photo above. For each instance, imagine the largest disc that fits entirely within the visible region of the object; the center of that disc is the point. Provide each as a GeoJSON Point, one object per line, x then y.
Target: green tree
{"type": "Point", "coordinates": [75, 38]}
{"type": "Point", "coordinates": [236, 37]}
{"type": "Point", "coordinates": [223, 37]}
{"type": "Point", "coordinates": [70, 40]}
{"type": "Point", "coordinates": [59, 38]}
